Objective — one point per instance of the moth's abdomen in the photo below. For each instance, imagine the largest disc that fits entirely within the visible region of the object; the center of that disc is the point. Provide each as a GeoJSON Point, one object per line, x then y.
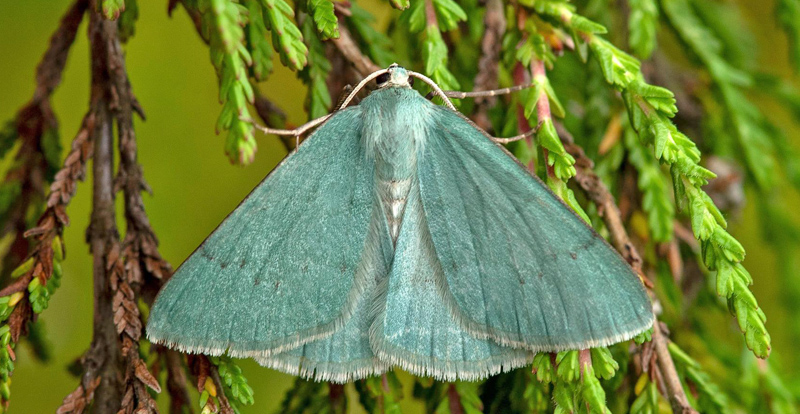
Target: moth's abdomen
{"type": "Point", "coordinates": [394, 194]}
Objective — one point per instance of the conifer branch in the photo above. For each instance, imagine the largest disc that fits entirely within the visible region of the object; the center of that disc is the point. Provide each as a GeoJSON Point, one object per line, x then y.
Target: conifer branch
{"type": "Point", "coordinates": [37, 265]}
{"type": "Point", "coordinates": [599, 194]}
{"type": "Point", "coordinates": [649, 110]}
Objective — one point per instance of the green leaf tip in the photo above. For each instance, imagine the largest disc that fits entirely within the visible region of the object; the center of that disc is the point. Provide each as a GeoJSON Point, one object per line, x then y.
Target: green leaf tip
{"type": "Point", "coordinates": [111, 9]}
{"type": "Point", "coordinates": [286, 36]}
{"type": "Point", "coordinates": [324, 18]}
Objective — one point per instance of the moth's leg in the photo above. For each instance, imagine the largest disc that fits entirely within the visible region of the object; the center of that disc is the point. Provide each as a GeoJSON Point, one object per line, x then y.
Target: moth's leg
{"type": "Point", "coordinates": [342, 96]}
{"type": "Point", "coordinates": [480, 94]}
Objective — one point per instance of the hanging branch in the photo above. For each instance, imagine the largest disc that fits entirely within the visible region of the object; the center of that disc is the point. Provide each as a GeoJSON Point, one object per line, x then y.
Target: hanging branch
{"type": "Point", "coordinates": [577, 379]}
{"type": "Point", "coordinates": [36, 128]}
{"type": "Point", "coordinates": [38, 275]}
{"type": "Point", "coordinates": [102, 360]}
{"type": "Point", "coordinates": [488, 65]}
{"type": "Point", "coordinates": [179, 399]}
{"type": "Point", "coordinates": [599, 194]}
{"type": "Point", "coordinates": [138, 251]}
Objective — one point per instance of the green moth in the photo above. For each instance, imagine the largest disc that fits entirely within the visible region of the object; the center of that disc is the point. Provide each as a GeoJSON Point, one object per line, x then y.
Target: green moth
{"type": "Point", "coordinates": [399, 234]}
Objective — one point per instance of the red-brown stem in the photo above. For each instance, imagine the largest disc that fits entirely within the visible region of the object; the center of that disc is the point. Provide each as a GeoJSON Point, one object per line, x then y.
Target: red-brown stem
{"type": "Point", "coordinates": [430, 14]}
{"type": "Point", "coordinates": [521, 78]}
{"type": "Point", "coordinates": [454, 400]}
{"type": "Point", "coordinates": [584, 359]}
{"type": "Point", "coordinates": [543, 112]}
{"type": "Point", "coordinates": [488, 65]}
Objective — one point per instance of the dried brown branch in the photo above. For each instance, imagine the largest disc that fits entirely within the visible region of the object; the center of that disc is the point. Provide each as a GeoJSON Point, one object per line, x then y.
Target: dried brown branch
{"type": "Point", "coordinates": [486, 79]}
{"type": "Point", "coordinates": [224, 404]}
{"type": "Point", "coordinates": [337, 397]}
{"type": "Point", "coordinates": [48, 73]}
{"type": "Point", "coordinates": [454, 400]}
{"type": "Point", "coordinates": [103, 361]}
{"type": "Point", "coordinates": [33, 122]}
{"type": "Point", "coordinates": [51, 224]}
{"type": "Point", "coordinates": [104, 356]}
{"type": "Point", "coordinates": [77, 401]}
{"type": "Point", "coordinates": [180, 402]}
{"type": "Point", "coordinates": [669, 375]}
{"type": "Point", "coordinates": [203, 371]}
{"type": "Point", "coordinates": [137, 260]}
{"type": "Point", "coordinates": [349, 48]}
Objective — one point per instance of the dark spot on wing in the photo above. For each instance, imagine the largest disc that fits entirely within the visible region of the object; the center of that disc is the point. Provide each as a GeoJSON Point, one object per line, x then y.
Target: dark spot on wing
{"type": "Point", "coordinates": [257, 282]}
{"type": "Point", "coordinates": [343, 268]}
{"type": "Point", "coordinates": [242, 263]}
{"type": "Point", "coordinates": [304, 268]}
{"type": "Point", "coordinates": [223, 265]}
{"type": "Point", "coordinates": [277, 284]}
{"type": "Point", "coordinates": [455, 267]}
{"type": "Point", "coordinates": [541, 275]}
{"type": "Point", "coordinates": [585, 246]}
{"type": "Point", "coordinates": [573, 255]}
{"type": "Point", "coordinates": [206, 254]}
{"type": "Point", "coordinates": [554, 256]}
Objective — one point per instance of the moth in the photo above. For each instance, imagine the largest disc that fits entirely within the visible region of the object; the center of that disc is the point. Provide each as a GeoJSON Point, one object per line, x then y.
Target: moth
{"type": "Point", "coordinates": [399, 234]}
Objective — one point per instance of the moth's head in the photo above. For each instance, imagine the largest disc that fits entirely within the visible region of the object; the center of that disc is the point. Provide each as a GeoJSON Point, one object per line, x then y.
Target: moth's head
{"type": "Point", "coordinates": [395, 76]}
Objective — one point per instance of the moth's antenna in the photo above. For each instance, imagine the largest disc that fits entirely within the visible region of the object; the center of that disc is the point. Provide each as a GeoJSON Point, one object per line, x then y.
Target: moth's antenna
{"type": "Point", "coordinates": [435, 87]}
{"type": "Point", "coordinates": [359, 87]}
{"type": "Point", "coordinates": [294, 132]}
{"type": "Point", "coordinates": [313, 123]}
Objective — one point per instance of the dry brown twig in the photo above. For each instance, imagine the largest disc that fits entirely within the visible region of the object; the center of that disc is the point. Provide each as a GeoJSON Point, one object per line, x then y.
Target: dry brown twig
{"type": "Point", "coordinates": [203, 371]}
{"type": "Point", "coordinates": [348, 47]}
{"type": "Point", "coordinates": [486, 79]}
{"type": "Point", "coordinates": [113, 355]}
{"type": "Point", "coordinates": [32, 122]}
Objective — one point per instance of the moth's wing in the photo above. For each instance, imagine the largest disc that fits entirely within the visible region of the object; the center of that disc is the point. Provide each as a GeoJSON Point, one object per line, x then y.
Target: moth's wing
{"type": "Point", "coordinates": [346, 355]}
{"type": "Point", "coordinates": [412, 327]}
{"type": "Point", "coordinates": [281, 269]}
{"type": "Point", "coordinates": [342, 357]}
{"type": "Point", "coordinates": [520, 266]}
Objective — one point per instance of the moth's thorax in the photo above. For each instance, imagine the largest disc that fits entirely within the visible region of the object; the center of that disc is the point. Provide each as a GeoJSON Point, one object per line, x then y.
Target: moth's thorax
{"type": "Point", "coordinates": [395, 120]}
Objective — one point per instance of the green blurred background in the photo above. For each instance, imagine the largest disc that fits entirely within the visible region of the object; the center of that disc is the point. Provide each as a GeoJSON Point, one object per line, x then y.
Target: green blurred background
{"type": "Point", "coordinates": [194, 184]}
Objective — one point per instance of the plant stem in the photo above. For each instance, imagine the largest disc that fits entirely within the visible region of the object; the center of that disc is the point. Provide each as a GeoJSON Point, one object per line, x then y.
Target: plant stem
{"type": "Point", "coordinates": [348, 47]}
{"type": "Point", "coordinates": [486, 79]}
{"type": "Point", "coordinates": [103, 358]}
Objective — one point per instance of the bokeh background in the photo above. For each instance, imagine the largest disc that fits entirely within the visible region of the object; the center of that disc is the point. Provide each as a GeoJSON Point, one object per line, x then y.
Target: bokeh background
{"type": "Point", "coordinates": [195, 186]}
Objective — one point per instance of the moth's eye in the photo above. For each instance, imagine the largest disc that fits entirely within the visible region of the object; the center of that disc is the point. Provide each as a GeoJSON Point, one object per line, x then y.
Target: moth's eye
{"type": "Point", "coordinates": [382, 78]}
{"type": "Point", "coordinates": [410, 81]}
